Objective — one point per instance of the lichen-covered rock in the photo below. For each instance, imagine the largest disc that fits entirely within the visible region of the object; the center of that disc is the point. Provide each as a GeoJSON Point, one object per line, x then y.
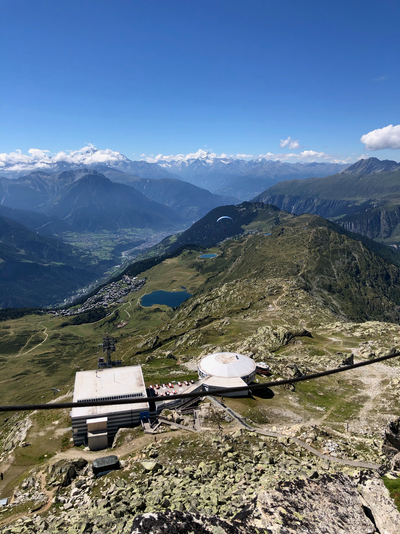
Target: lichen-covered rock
{"type": "Point", "coordinates": [392, 434]}
{"type": "Point", "coordinates": [395, 462]}
{"type": "Point", "coordinates": [376, 499]}
{"type": "Point", "coordinates": [325, 505]}
{"type": "Point", "coordinates": [175, 522]}
{"type": "Point", "coordinates": [65, 471]}
{"type": "Point", "coordinates": [17, 435]}
{"type": "Point", "coordinates": [151, 466]}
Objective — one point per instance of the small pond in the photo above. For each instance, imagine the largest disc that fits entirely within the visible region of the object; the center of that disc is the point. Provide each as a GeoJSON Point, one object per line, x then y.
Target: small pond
{"type": "Point", "coordinates": [268, 234]}
{"type": "Point", "coordinates": [203, 256]}
{"type": "Point", "coordinates": [168, 298]}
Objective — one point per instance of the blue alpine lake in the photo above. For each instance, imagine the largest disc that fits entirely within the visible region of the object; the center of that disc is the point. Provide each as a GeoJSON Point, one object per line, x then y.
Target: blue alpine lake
{"type": "Point", "coordinates": [168, 298]}
{"type": "Point", "coordinates": [208, 256]}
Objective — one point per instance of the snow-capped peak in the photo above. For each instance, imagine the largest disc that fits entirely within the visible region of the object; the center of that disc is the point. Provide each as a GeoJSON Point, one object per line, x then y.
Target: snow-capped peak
{"type": "Point", "coordinates": [16, 163]}
{"type": "Point", "coordinates": [36, 159]}
{"type": "Point", "coordinates": [203, 155]}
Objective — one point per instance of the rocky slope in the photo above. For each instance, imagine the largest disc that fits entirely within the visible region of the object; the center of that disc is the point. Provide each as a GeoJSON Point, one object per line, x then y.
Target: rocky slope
{"type": "Point", "coordinates": [380, 223]}
{"type": "Point", "coordinates": [252, 485]}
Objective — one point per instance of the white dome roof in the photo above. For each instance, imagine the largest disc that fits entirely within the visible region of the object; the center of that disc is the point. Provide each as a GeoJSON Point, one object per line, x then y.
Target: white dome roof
{"type": "Point", "coordinates": [227, 365]}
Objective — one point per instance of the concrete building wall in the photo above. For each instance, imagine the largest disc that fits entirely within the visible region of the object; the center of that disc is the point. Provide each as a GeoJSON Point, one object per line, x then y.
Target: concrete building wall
{"type": "Point", "coordinates": [106, 384]}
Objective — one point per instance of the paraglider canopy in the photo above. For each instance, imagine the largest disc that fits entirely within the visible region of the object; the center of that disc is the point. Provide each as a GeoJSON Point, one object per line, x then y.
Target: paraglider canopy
{"type": "Point", "coordinates": [224, 217]}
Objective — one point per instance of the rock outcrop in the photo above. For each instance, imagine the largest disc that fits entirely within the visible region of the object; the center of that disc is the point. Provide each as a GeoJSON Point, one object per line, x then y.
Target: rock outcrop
{"type": "Point", "coordinates": [378, 505]}
{"type": "Point", "coordinates": [64, 472]}
{"type": "Point", "coordinates": [328, 505]}
{"type": "Point", "coordinates": [392, 434]}
{"type": "Point", "coordinates": [175, 522]}
{"type": "Point", "coordinates": [380, 222]}
{"type": "Point", "coordinates": [227, 484]}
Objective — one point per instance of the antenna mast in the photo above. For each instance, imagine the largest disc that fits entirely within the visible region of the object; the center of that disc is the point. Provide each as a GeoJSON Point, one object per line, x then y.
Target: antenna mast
{"type": "Point", "coordinates": [108, 348]}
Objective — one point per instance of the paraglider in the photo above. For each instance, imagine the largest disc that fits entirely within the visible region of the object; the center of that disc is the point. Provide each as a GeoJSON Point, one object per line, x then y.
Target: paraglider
{"type": "Point", "coordinates": [224, 226]}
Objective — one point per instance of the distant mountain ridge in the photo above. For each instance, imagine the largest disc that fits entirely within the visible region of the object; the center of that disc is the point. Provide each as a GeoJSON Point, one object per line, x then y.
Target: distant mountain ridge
{"type": "Point", "coordinates": [89, 157]}
{"type": "Point", "coordinates": [365, 198]}
{"type": "Point", "coordinates": [94, 203]}
{"type": "Point", "coordinates": [190, 201]}
{"type": "Point", "coordinates": [223, 175]}
{"type": "Point", "coordinates": [227, 176]}
{"type": "Point", "coordinates": [39, 223]}
{"type": "Point", "coordinates": [170, 200]}
{"type": "Point", "coordinates": [85, 200]}
{"type": "Point", "coordinates": [371, 166]}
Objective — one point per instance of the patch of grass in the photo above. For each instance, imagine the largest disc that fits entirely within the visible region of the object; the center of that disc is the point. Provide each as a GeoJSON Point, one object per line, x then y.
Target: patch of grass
{"type": "Point", "coordinates": [338, 397]}
{"type": "Point", "coordinates": [394, 489]}
{"type": "Point", "coordinates": [23, 509]}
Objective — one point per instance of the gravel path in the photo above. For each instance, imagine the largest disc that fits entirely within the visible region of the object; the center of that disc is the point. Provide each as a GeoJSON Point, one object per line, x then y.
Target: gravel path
{"type": "Point", "coordinates": [343, 461]}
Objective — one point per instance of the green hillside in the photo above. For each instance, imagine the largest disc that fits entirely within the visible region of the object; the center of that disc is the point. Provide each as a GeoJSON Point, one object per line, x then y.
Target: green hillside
{"type": "Point", "coordinates": [209, 230]}
{"type": "Point", "coordinates": [316, 273]}
{"type": "Point", "coordinates": [342, 186]}
{"type": "Point", "coordinates": [37, 271]}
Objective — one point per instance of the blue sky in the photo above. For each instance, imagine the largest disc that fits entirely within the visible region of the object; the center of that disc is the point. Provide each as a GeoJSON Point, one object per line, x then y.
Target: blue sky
{"type": "Point", "coordinates": [173, 76]}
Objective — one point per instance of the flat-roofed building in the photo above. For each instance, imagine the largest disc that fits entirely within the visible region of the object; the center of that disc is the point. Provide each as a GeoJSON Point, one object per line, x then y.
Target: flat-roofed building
{"type": "Point", "coordinates": [96, 426]}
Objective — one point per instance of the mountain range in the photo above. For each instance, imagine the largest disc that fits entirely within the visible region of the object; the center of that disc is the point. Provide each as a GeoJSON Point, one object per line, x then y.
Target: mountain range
{"type": "Point", "coordinates": [189, 201]}
{"type": "Point", "coordinates": [87, 200]}
{"type": "Point", "coordinates": [241, 177]}
{"type": "Point", "coordinates": [223, 175]}
{"type": "Point", "coordinates": [39, 206]}
{"type": "Point", "coordinates": [289, 290]}
{"type": "Point", "coordinates": [364, 198]}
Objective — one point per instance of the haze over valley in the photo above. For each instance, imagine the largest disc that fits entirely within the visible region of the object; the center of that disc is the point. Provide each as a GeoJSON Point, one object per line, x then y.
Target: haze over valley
{"type": "Point", "coordinates": [110, 215]}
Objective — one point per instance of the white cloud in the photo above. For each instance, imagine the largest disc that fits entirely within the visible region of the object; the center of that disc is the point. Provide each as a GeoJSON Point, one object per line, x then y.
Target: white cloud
{"type": "Point", "coordinates": [292, 144]}
{"type": "Point", "coordinates": [243, 156]}
{"type": "Point", "coordinates": [42, 159]}
{"type": "Point", "coordinates": [37, 153]}
{"type": "Point", "coordinates": [387, 137]}
{"type": "Point", "coordinates": [89, 155]}
{"type": "Point", "coordinates": [312, 154]}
